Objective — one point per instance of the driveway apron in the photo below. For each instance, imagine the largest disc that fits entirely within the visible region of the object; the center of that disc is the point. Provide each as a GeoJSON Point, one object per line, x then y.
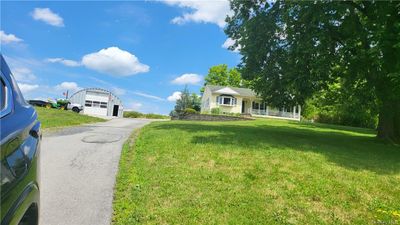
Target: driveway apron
{"type": "Point", "coordinates": [78, 169]}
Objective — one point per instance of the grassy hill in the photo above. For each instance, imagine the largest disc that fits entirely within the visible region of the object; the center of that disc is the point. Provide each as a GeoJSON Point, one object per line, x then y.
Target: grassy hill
{"type": "Point", "coordinates": [257, 172]}
{"type": "Point", "coordinates": [55, 118]}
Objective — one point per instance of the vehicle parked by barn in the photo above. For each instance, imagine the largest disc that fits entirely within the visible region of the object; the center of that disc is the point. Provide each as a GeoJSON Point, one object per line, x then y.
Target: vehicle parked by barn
{"type": "Point", "coordinates": [75, 107]}
{"type": "Point", "coordinates": [38, 102]}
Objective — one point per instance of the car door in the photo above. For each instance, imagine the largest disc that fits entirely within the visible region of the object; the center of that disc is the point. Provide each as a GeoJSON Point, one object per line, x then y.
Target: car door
{"type": "Point", "coordinates": [20, 136]}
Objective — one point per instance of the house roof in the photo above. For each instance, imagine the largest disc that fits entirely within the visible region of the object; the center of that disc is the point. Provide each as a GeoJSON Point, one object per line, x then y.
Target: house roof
{"type": "Point", "coordinates": [231, 90]}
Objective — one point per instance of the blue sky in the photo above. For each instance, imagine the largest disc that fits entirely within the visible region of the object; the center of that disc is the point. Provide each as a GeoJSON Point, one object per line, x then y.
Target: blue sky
{"type": "Point", "coordinates": [143, 51]}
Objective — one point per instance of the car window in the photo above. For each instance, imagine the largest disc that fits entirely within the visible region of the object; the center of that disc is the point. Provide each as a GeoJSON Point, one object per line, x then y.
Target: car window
{"type": "Point", "coordinates": [3, 95]}
{"type": "Point", "coordinates": [6, 97]}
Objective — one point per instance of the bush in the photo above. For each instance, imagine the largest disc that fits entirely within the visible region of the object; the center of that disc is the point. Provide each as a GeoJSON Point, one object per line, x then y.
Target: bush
{"type": "Point", "coordinates": [237, 114]}
{"type": "Point", "coordinates": [173, 113]}
{"type": "Point", "coordinates": [233, 114]}
{"type": "Point", "coordinates": [188, 111]}
{"type": "Point", "coordinates": [155, 116]}
{"type": "Point", "coordinates": [216, 111]}
{"type": "Point", "coordinates": [133, 114]}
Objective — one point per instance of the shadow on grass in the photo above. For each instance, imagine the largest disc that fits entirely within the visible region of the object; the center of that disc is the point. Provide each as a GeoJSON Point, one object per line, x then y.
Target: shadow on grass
{"type": "Point", "coordinates": [352, 151]}
{"type": "Point", "coordinates": [334, 127]}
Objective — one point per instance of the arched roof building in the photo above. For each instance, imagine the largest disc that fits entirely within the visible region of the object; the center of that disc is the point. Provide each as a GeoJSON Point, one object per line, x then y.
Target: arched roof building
{"type": "Point", "coordinates": [98, 101]}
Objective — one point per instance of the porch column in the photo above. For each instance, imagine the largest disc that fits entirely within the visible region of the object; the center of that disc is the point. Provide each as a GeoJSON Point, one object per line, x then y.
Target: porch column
{"type": "Point", "coordinates": [294, 111]}
{"type": "Point", "coordinates": [251, 107]}
{"type": "Point", "coordinates": [266, 110]}
{"type": "Point", "coordinates": [299, 111]}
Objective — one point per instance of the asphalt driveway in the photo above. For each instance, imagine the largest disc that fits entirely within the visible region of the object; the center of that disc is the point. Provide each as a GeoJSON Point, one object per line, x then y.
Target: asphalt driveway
{"type": "Point", "coordinates": [78, 168]}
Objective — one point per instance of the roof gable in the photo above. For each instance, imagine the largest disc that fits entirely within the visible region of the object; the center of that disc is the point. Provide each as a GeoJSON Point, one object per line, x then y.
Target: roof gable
{"type": "Point", "coordinates": [245, 92]}
{"type": "Point", "coordinates": [227, 91]}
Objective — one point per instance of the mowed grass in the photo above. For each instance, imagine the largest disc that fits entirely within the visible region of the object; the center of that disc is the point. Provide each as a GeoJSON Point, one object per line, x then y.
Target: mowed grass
{"type": "Point", "coordinates": [55, 118]}
{"type": "Point", "coordinates": [257, 172]}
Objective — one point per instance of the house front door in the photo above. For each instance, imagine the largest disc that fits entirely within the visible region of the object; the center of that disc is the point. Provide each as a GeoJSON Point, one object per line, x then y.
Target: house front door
{"type": "Point", "coordinates": [243, 106]}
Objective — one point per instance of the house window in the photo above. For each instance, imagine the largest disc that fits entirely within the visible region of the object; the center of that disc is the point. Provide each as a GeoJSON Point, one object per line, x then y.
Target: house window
{"type": "Point", "coordinates": [262, 106]}
{"type": "Point", "coordinates": [256, 105]}
{"type": "Point", "coordinates": [226, 100]}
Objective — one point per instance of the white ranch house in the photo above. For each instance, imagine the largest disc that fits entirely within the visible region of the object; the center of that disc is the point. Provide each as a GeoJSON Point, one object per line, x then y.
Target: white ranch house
{"type": "Point", "coordinates": [243, 100]}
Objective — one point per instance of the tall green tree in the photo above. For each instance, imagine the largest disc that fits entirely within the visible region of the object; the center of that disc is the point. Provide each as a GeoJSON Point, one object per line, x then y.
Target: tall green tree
{"type": "Point", "coordinates": [187, 101]}
{"type": "Point", "coordinates": [343, 104]}
{"type": "Point", "coordinates": [184, 101]}
{"type": "Point", "coordinates": [222, 76]}
{"type": "Point", "coordinates": [196, 102]}
{"type": "Point", "coordinates": [296, 49]}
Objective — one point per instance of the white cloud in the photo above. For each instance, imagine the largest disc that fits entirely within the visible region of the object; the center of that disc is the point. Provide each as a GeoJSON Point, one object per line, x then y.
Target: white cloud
{"type": "Point", "coordinates": [229, 42]}
{"type": "Point", "coordinates": [202, 11]}
{"type": "Point", "coordinates": [148, 95]}
{"type": "Point", "coordinates": [47, 16]}
{"type": "Point", "coordinates": [8, 38]}
{"type": "Point", "coordinates": [25, 88]}
{"type": "Point", "coordinates": [34, 91]}
{"type": "Point", "coordinates": [65, 62]}
{"type": "Point", "coordinates": [23, 74]}
{"type": "Point", "coordinates": [114, 61]}
{"type": "Point", "coordinates": [175, 96]}
{"type": "Point", "coordinates": [68, 86]}
{"type": "Point", "coordinates": [187, 78]}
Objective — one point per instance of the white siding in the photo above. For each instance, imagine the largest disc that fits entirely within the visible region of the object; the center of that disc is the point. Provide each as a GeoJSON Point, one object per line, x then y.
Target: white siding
{"type": "Point", "coordinates": [100, 95]}
{"type": "Point", "coordinates": [95, 108]}
{"type": "Point", "coordinates": [209, 101]}
{"type": "Point", "coordinates": [206, 101]}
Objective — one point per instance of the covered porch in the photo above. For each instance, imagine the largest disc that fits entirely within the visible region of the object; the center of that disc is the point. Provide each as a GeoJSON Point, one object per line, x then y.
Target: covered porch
{"type": "Point", "coordinates": [255, 107]}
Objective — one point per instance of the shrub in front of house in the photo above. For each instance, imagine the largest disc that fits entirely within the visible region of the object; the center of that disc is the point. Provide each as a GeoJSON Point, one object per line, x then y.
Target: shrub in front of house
{"type": "Point", "coordinates": [188, 111]}
{"type": "Point", "coordinates": [216, 111]}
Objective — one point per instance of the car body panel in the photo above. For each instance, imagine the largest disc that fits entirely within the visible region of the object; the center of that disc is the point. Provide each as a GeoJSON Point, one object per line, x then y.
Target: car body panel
{"type": "Point", "coordinates": [20, 143]}
{"type": "Point", "coordinates": [70, 106]}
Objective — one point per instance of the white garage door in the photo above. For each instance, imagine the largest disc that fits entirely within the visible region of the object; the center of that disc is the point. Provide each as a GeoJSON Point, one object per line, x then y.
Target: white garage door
{"type": "Point", "coordinates": [96, 103]}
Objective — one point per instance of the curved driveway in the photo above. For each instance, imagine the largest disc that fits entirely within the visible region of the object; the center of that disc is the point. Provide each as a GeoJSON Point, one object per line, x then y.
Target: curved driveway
{"type": "Point", "coordinates": [78, 168]}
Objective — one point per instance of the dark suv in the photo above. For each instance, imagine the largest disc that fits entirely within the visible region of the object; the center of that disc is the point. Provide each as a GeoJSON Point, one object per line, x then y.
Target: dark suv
{"type": "Point", "coordinates": [20, 143]}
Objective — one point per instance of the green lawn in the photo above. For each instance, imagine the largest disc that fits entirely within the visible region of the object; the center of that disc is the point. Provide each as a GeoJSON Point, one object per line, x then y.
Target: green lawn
{"type": "Point", "coordinates": [55, 118]}
{"type": "Point", "coordinates": [257, 172]}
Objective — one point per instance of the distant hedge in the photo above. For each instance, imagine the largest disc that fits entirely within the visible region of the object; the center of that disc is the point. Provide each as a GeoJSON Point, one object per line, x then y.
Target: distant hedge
{"type": "Point", "coordinates": [134, 114]}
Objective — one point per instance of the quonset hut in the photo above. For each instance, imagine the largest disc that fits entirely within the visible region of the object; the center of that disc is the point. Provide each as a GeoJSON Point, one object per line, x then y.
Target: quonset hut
{"type": "Point", "coordinates": [97, 101]}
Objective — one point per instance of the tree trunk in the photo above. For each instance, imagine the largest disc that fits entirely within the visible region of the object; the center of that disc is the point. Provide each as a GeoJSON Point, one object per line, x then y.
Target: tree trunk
{"type": "Point", "coordinates": [389, 121]}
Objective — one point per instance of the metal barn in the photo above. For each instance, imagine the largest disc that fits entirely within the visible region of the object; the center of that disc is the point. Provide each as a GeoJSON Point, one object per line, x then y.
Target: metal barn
{"type": "Point", "coordinates": [97, 101]}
